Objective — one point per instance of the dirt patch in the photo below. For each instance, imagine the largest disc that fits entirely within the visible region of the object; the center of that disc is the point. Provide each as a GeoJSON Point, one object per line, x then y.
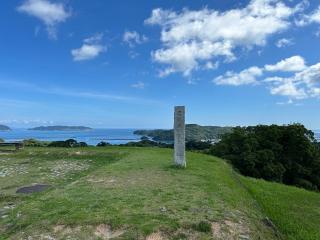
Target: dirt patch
{"type": "Point", "coordinates": [104, 231]}
{"type": "Point", "coordinates": [105, 181]}
{"type": "Point", "coordinates": [58, 228]}
{"type": "Point", "coordinates": [78, 153]}
{"type": "Point", "coordinates": [229, 230]}
{"type": "Point", "coordinates": [33, 188]}
{"type": "Point", "coordinates": [42, 237]}
{"type": "Point", "coordinates": [62, 168]}
{"type": "Point", "coordinates": [13, 170]}
{"type": "Point", "coordinates": [155, 236]}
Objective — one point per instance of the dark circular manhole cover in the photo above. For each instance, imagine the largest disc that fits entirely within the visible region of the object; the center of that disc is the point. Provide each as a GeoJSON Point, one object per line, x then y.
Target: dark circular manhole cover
{"type": "Point", "coordinates": [33, 188]}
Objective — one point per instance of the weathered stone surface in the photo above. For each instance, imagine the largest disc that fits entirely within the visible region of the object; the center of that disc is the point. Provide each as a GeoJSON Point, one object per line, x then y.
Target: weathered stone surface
{"type": "Point", "coordinates": [179, 136]}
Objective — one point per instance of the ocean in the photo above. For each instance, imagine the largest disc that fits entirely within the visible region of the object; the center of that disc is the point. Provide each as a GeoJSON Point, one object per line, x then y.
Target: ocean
{"type": "Point", "coordinates": [92, 137]}
{"type": "Point", "coordinates": [317, 135]}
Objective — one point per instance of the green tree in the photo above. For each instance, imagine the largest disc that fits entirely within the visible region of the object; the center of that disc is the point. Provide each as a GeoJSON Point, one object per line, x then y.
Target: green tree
{"type": "Point", "coordinates": [288, 154]}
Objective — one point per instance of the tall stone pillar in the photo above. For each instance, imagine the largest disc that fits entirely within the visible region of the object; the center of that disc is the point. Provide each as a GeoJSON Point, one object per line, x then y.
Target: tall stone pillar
{"type": "Point", "coordinates": [179, 136]}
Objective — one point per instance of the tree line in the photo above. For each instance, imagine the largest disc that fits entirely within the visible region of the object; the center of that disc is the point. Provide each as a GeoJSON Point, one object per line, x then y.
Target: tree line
{"type": "Point", "coordinates": [288, 154]}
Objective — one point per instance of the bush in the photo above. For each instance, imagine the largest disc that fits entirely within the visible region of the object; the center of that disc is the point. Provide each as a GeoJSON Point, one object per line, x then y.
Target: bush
{"type": "Point", "coordinates": [287, 154]}
{"type": "Point", "coordinates": [197, 145]}
{"type": "Point", "coordinates": [202, 226]}
{"type": "Point", "coordinates": [147, 143]}
{"type": "Point", "coordinates": [35, 143]}
{"type": "Point", "coordinates": [1, 140]}
{"type": "Point", "coordinates": [70, 143]}
{"type": "Point", "coordinates": [103, 144]}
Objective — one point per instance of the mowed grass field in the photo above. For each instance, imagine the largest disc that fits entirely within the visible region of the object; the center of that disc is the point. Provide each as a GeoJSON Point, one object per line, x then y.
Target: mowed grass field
{"type": "Point", "coordinates": [136, 193]}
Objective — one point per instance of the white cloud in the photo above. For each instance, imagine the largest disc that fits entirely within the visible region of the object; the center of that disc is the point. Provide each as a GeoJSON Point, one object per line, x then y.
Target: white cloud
{"type": "Point", "coordinates": [90, 49]}
{"type": "Point", "coordinates": [292, 64]}
{"type": "Point", "coordinates": [133, 38]}
{"type": "Point", "coordinates": [192, 38]}
{"type": "Point", "coordinates": [133, 54]}
{"type": "Point", "coordinates": [210, 65]}
{"type": "Point", "coordinates": [49, 13]}
{"type": "Point", "coordinates": [284, 42]}
{"type": "Point", "coordinates": [310, 76]}
{"type": "Point", "coordinates": [285, 103]}
{"type": "Point", "coordinates": [138, 85]}
{"type": "Point", "coordinates": [94, 39]}
{"type": "Point", "coordinates": [87, 52]}
{"type": "Point", "coordinates": [315, 92]}
{"type": "Point", "coordinates": [305, 19]}
{"type": "Point", "coordinates": [303, 83]}
{"type": "Point", "coordinates": [289, 89]}
{"type": "Point", "coordinates": [184, 57]}
{"type": "Point", "coordinates": [25, 121]}
{"type": "Point", "coordinates": [247, 76]}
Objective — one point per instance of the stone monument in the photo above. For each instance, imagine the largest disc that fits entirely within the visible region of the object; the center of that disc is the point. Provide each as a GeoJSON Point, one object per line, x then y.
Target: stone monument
{"type": "Point", "coordinates": [179, 136]}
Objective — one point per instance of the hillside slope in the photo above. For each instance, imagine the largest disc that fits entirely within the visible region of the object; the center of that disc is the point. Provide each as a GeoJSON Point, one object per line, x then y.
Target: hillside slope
{"type": "Point", "coordinates": [135, 193]}
{"type": "Point", "coordinates": [4, 128]}
{"type": "Point", "coordinates": [194, 132]}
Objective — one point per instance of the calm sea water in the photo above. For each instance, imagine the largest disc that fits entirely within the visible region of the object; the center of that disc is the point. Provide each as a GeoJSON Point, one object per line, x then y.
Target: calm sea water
{"type": "Point", "coordinates": [113, 136]}
{"type": "Point", "coordinates": [317, 135]}
{"type": "Point", "coordinates": [93, 137]}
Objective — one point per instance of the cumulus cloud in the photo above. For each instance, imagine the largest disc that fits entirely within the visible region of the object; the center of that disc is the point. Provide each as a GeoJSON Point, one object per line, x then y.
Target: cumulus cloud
{"type": "Point", "coordinates": [302, 84]}
{"type": "Point", "coordinates": [289, 89]}
{"type": "Point", "coordinates": [304, 81]}
{"type": "Point", "coordinates": [192, 38]}
{"type": "Point", "coordinates": [284, 42]}
{"type": "Point", "coordinates": [247, 76]}
{"type": "Point", "coordinates": [292, 64]}
{"type": "Point", "coordinates": [48, 12]}
{"type": "Point", "coordinates": [184, 57]}
{"type": "Point", "coordinates": [132, 38]}
{"type": "Point", "coordinates": [90, 49]}
{"type": "Point", "coordinates": [310, 76]}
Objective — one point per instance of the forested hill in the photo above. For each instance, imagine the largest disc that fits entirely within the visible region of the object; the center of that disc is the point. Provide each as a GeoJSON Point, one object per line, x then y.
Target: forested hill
{"type": "Point", "coordinates": [61, 128]}
{"type": "Point", "coordinates": [4, 128]}
{"type": "Point", "coordinates": [193, 132]}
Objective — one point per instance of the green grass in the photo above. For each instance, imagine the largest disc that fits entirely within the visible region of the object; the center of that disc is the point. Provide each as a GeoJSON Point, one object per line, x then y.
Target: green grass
{"type": "Point", "coordinates": [133, 193]}
{"type": "Point", "coordinates": [295, 211]}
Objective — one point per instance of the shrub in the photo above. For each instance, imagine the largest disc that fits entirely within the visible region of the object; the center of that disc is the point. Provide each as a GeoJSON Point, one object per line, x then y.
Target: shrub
{"type": "Point", "coordinates": [70, 143]}
{"type": "Point", "coordinates": [103, 144]}
{"type": "Point", "coordinates": [144, 138]}
{"type": "Point", "coordinates": [35, 143]}
{"type": "Point", "coordinates": [147, 143]}
{"type": "Point", "coordinates": [202, 226]}
{"type": "Point", "coordinates": [1, 140]}
{"type": "Point", "coordinates": [198, 145]}
{"type": "Point", "coordinates": [287, 154]}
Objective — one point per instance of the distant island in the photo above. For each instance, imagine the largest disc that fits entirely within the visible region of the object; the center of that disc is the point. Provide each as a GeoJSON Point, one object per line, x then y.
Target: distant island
{"type": "Point", "coordinates": [61, 128]}
{"type": "Point", "coordinates": [194, 132]}
{"type": "Point", "coordinates": [4, 128]}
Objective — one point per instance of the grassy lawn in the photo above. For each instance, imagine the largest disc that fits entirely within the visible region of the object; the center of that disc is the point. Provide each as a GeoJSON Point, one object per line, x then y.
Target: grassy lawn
{"type": "Point", "coordinates": [136, 193]}
{"type": "Point", "coordinates": [295, 211]}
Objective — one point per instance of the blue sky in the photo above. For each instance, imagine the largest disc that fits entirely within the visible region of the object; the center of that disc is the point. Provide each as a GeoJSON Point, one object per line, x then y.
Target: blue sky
{"type": "Point", "coordinates": [122, 64]}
